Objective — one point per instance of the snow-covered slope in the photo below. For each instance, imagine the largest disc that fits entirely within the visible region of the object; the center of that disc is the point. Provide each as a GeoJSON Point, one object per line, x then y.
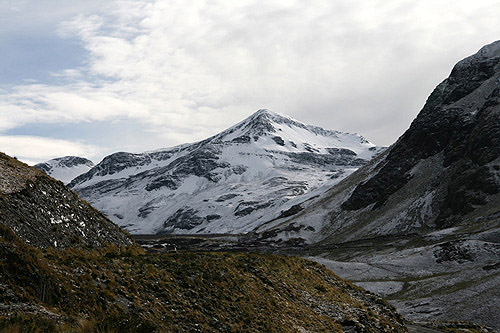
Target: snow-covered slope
{"type": "Point", "coordinates": [65, 168]}
{"type": "Point", "coordinates": [232, 182]}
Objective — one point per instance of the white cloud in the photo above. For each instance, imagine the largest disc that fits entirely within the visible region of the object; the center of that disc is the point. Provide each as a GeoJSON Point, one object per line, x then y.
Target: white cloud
{"type": "Point", "coordinates": [189, 70]}
{"type": "Point", "coordinates": [31, 149]}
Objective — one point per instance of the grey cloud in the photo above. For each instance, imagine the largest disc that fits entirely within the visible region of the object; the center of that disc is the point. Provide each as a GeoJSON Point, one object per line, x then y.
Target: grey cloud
{"type": "Point", "coordinates": [190, 71]}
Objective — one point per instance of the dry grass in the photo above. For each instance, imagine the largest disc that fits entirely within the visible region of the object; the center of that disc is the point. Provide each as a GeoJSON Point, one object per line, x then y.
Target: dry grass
{"type": "Point", "coordinates": [125, 289]}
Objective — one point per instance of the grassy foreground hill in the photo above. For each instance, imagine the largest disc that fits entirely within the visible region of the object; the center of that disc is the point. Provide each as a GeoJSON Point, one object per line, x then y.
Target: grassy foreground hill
{"type": "Point", "coordinates": [123, 289]}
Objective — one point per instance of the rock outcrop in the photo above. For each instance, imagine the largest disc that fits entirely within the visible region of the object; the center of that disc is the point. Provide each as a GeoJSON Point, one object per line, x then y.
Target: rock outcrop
{"type": "Point", "coordinates": [45, 213]}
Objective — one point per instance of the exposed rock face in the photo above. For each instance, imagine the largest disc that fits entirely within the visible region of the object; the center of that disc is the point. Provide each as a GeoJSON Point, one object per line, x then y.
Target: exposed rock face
{"type": "Point", "coordinates": [232, 182]}
{"type": "Point", "coordinates": [427, 210]}
{"type": "Point", "coordinates": [442, 172]}
{"type": "Point", "coordinates": [461, 120]}
{"type": "Point", "coordinates": [65, 168]}
{"type": "Point", "coordinates": [44, 213]}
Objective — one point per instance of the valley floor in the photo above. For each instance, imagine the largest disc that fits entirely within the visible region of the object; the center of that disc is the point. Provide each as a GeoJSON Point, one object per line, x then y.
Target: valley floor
{"type": "Point", "coordinates": [436, 277]}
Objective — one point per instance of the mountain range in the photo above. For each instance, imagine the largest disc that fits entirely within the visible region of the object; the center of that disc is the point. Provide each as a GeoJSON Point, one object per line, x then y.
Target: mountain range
{"type": "Point", "coordinates": [418, 222]}
{"type": "Point", "coordinates": [232, 182]}
{"type": "Point", "coordinates": [64, 267]}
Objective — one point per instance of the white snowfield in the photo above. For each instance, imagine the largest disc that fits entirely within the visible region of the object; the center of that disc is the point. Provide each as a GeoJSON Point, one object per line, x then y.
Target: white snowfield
{"type": "Point", "coordinates": [65, 168]}
{"type": "Point", "coordinates": [233, 182]}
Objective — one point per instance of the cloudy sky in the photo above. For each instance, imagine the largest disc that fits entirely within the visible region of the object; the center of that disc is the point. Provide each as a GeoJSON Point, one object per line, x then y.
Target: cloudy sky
{"type": "Point", "coordinates": [97, 76]}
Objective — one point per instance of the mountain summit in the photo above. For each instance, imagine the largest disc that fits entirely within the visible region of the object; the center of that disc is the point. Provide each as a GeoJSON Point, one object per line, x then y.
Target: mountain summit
{"type": "Point", "coordinates": [232, 182]}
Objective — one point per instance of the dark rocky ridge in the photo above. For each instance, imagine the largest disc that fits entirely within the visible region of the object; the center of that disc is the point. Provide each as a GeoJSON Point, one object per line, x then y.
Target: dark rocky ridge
{"type": "Point", "coordinates": [44, 213]}
{"type": "Point", "coordinates": [461, 120]}
{"type": "Point", "coordinates": [420, 223]}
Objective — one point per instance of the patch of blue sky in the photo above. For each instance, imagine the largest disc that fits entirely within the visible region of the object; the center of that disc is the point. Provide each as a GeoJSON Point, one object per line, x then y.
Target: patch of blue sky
{"type": "Point", "coordinates": [119, 135]}
{"type": "Point", "coordinates": [34, 58]}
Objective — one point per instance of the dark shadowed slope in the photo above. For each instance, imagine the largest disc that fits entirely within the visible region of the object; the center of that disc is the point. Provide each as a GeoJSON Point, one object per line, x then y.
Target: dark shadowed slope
{"type": "Point", "coordinates": [421, 222]}
{"type": "Point", "coordinates": [444, 171]}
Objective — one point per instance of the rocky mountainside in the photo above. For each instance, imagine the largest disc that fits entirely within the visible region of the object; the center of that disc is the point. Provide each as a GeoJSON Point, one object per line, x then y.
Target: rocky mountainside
{"type": "Point", "coordinates": [65, 168]}
{"type": "Point", "coordinates": [443, 172]}
{"type": "Point", "coordinates": [44, 213]}
{"type": "Point", "coordinates": [422, 220]}
{"type": "Point", "coordinates": [232, 182]}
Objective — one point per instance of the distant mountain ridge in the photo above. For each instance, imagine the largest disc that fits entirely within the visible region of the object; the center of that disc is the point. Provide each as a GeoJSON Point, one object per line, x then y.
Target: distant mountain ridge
{"type": "Point", "coordinates": [65, 168]}
{"type": "Point", "coordinates": [232, 182]}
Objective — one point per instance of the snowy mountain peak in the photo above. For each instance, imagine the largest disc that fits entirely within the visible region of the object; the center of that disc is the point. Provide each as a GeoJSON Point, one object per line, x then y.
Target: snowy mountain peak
{"type": "Point", "coordinates": [265, 118]}
{"type": "Point", "coordinates": [65, 168]}
{"type": "Point", "coordinates": [258, 124]}
{"type": "Point", "coordinates": [286, 132]}
{"type": "Point", "coordinates": [269, 117]}
{"type": "Point", "coordinates": [265, 113]}
{"type": "Point", "coordinates": [229, 183]}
